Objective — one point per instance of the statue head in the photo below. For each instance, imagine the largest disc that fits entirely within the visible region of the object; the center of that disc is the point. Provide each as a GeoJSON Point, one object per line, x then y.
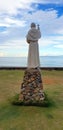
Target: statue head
{"type": "Point", "coordinates": [33, 25]}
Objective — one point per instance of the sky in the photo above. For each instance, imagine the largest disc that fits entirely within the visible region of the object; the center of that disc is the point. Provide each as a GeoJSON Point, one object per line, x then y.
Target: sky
{"type": "Point", "coordinates": [15, 19]}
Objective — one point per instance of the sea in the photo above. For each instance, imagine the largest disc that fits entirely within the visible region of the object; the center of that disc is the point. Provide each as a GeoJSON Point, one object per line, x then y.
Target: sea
{"type": "Point", "coordinates": [45, 61]}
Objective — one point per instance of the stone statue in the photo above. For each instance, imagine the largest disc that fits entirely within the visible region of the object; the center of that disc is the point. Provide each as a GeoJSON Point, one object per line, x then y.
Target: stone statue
{"type": "Point", "coordinates": [32, 38]}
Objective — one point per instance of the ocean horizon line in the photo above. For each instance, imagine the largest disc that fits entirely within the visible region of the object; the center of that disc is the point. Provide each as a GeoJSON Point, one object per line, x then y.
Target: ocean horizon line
{"type": "Point", "coordinates": [27, 56]}
{"type": "Point", "coordinates": [45, 61]}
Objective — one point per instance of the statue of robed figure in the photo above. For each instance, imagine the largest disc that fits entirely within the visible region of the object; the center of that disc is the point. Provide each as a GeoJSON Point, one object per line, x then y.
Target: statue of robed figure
{"type": "Point", "coordinates": [32, 85]}
{"type": "Point", "coordinates": [32, 38]}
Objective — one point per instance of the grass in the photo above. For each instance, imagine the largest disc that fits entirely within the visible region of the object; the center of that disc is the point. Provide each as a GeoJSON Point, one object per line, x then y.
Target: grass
{"type": "Point", "coordinates": [31, 117]}
{"type": "Point", "coordinates": [44, 103]}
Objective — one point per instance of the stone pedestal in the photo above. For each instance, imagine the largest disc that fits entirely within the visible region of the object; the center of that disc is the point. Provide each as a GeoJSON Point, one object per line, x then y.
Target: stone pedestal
{"type": "Point", "coordinates": [32, 87]}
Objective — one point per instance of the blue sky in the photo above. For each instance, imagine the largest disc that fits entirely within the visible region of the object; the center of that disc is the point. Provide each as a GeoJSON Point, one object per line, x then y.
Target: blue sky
{"type": "Point", "coordinates": [15, 19]}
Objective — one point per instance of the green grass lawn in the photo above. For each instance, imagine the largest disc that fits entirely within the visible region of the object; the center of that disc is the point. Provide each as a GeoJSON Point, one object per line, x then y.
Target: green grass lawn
{"type": "Point", "coordinates": [31, 117]}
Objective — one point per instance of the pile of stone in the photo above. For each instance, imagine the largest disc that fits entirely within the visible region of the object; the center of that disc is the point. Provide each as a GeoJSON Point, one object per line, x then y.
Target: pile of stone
{"type": "Point", "coordinates": [32, 87]}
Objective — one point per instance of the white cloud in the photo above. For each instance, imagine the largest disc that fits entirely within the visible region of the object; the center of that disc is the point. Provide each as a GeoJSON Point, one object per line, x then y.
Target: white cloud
{"type": "Point", "coordinates": [49, 21]}
{"type": "Point", "coordinates": [45, 42]}
{"type": "Point", "coordinates": [9, 21]}
{"type": "Point", "coordinates": [14, 44]}
{"type": "Point", "coordinates": [16, 48]}
{"type": "Point", "coordinates": [49, 1]}
{"type": "Point", "coordinates": [14, 21]}
{"type": "Point", "coordinates": [12, 6]}
{"type": "Point", "coordinates": [59, 46]}
{"type": "Point", "coordinates": [53, 41]}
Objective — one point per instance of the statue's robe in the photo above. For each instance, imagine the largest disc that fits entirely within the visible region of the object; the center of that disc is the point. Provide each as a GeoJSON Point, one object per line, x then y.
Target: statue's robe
{"type": "Point", "coordinates": [33, 54]}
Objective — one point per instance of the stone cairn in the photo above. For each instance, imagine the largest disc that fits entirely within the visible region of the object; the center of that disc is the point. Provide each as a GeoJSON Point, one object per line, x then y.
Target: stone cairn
{"type": "Point", "coordinates": [32, 87]}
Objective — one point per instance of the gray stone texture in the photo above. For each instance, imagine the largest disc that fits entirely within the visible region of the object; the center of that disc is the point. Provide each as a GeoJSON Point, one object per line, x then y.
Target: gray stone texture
{"type": "Point", "coordinates": [32, 86]}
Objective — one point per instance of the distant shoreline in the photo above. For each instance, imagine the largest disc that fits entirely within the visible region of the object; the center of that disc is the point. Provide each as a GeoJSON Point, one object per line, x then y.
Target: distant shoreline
{"type": "Point", "coordinates": [23, 68]}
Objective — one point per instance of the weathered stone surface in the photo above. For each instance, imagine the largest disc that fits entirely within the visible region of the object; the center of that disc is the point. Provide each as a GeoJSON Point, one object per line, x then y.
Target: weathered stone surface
{"type": "Point", "coordinates": [32, 87]}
